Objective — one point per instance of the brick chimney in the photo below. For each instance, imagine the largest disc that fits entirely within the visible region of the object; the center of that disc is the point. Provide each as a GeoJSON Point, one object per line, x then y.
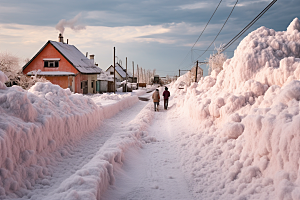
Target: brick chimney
{"type": "Point", "coordinates": [92, 58]}
{"type": "Point", "coordinates": [60, 38]}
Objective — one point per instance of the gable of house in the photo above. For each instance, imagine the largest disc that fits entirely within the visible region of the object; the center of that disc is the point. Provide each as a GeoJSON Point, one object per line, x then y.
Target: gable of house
{"type": "Point", "coordinates": [47, 53]}
{"type": "Point", "coordinates": [69, 59]}
{"type": "Point", "coordinates": [110, 70]}
{"type": "Point", "coordinates": [120, 71]}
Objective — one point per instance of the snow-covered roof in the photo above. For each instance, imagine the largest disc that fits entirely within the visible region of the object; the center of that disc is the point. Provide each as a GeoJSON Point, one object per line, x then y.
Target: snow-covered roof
{"type": "Point", "coordinates": [77, 59]}
{"type": "Point", "coordinates": [73, 56]}
{"type": "Point", "coordinates": [104, 76]}
{"type": "Point", "coordinates": [50, 73]}
{"type": "Point", "coordinates": [121, 71]}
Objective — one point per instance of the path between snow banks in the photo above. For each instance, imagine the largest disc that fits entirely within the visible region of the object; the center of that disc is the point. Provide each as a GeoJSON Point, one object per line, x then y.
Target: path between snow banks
{"type": "Point", "coordinates": [86, 170]}
{"type": "Point", "coordinates": [153, 171]}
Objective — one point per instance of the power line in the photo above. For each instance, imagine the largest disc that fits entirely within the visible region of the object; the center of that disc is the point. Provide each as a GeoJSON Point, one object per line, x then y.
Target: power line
{"type": "Point", "coordinates": [200, 34]}
{"type": "Point", "coordinates": [248, 26]}
{"type": "Point", "coordinates": [220, 30]}
{"type": "Point", "coordinates": [207, 24]}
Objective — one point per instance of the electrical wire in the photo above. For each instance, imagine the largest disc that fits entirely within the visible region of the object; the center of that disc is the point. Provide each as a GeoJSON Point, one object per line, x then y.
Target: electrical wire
{"type": "Point", "coordinates": [219, 31]}
{"type": "Point", "coordinates": [248, 26]}
{"type": "Point", "coordinates": [200, 34]}
{"type": "Point", "coordinates": [207, 24]}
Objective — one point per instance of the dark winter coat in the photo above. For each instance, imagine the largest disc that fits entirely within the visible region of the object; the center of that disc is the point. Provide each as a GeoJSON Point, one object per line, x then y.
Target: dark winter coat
{"type": "Point", "coordinates": [166, 94]}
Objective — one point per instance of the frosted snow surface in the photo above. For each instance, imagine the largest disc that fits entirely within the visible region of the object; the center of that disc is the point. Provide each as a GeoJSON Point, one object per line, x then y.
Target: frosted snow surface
{"type": "Point", "coordinates": [40, 126]}
{"type": "Point", "coordinates": [248, 141]}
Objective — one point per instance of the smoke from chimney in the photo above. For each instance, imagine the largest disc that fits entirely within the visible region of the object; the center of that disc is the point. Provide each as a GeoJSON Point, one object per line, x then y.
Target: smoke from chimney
{"type": "Point", "coordinates": [72, 23]}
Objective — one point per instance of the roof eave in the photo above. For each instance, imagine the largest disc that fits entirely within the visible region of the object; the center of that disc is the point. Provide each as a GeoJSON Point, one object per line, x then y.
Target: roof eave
{"type": "Point", "coordinates": [35, 55]}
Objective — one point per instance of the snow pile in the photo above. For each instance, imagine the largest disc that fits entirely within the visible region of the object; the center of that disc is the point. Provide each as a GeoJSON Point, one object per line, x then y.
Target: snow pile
{"type": "Point", "coordinates": [264, 56]}
{"type": "Point", "coordinates": [37, 124]}
{"type": "Point", "coordinates": [92, 179]}
{"type": "Point", "coordinates": [248, 143]}
{"type": "Point", "coordinates": [108, 102]}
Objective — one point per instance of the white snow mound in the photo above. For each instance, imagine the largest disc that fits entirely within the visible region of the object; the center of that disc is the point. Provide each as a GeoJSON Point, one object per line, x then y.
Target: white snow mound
{"type": "Point", "coordinates": [248, 118]}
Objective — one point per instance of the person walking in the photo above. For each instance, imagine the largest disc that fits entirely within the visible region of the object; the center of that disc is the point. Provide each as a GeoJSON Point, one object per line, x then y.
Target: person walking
{"type": "Point", "coordinates": [156, 98]}
{"type": "Point", "coordinates": [166, 95]}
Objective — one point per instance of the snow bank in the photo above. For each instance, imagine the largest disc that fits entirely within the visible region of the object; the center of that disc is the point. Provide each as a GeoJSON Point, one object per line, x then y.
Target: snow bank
{"type": "Point", "coordinates": [92, 179]}
{"type": "Point", "coordinates": [248, 144]}
{"type": "Point", "coordinates": [40, 122]}
{"type": "Point", "coordinates": [113, 103]}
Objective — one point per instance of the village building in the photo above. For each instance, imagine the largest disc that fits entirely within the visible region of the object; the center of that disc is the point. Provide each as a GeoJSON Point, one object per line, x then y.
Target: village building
{"type": "Point", "coordinates": [121, 73]}
{"type": "Point", "coordinates": [64, 65]}
{"type": "Point", "coordinates": [105, 82]}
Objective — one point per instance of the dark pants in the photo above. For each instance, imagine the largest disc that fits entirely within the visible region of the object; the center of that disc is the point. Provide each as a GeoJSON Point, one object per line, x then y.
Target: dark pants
{"type": "Point", "coordinates": [156, 104]}
{"type": "Point", "coordinates": [166, 103]}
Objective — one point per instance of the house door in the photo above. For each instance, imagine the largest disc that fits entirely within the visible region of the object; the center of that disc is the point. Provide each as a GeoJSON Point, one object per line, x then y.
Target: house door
{"type": "Point", "coordinates": [98, 86]}
{"type": "Point", "coordinates": [84, 87]}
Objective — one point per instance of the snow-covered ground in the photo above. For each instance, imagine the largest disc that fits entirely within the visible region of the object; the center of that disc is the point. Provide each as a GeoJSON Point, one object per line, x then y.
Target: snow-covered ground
{"type": "Point", "coordinates": [153, 171]}
{"type": "Point", "coordinates": [233, 135]}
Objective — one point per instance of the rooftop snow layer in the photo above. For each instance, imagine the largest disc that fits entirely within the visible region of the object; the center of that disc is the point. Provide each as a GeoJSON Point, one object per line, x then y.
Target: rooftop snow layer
{"type": "Point", "coordinates": [121, 71]}
{"type": "Point", "coordinates": [50, 73]}
{"type": "Point", "coordinates": [79, 61]}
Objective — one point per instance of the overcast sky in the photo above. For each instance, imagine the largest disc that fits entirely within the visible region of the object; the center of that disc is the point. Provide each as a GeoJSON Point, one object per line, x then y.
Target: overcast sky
{"type": "Point", "coordinates": [155, 34]}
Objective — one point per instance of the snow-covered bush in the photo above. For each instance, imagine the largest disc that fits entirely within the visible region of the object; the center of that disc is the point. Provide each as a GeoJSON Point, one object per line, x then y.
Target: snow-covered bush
{"type": "Point", "coordinates": [216, 61]}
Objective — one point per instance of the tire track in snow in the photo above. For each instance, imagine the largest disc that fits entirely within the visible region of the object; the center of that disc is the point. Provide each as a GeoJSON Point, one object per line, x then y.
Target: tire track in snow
{"type": "Point", "coordinates": [76, 157]}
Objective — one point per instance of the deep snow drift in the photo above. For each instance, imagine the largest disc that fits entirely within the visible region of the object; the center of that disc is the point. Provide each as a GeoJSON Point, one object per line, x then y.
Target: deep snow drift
{"type": "Point", "coordinates": [43, 124]}
{"type": "Point", "coordinates": [248, 140]}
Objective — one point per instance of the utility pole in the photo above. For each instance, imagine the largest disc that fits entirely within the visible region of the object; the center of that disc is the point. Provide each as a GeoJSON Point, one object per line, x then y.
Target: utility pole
{"type": "Point", "coordinates": [114, 70]}
{"type": "Point", "coordinates": [126, 76]}
{"type": "Point", "coordinates": [138, 76]}
{"type": "Point", "coordinates": [133, 72]}
{"type": "Point", "coordinates": [179, 72]}
{"type": "Point", "coordinates": [196, 72]}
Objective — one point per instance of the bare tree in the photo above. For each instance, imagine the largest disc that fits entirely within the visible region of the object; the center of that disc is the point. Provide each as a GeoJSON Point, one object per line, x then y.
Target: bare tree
{"type": "Point", "coordinates": [216, 61]}
{"type": "Point", "coordinates": [10, 66]}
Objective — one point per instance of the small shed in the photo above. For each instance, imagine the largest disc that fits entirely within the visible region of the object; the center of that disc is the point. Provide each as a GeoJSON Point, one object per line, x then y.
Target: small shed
{"type": "Point", "coordinates": [104, 83]}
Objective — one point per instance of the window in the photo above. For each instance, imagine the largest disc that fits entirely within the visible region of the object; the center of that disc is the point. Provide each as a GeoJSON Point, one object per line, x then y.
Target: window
{"type": "Point", "coordinates": [51, 62]}
{"type": "Point", "coordinates": [92, 84]}
{"type": "Point", "coordinates": [111, 73]}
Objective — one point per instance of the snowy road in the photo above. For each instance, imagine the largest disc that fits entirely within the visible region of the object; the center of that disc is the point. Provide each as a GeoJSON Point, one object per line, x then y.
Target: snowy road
{"type": "Point", "coordinates": [81, 154]}
{"type": "Point", "coordinates": [152, 172]}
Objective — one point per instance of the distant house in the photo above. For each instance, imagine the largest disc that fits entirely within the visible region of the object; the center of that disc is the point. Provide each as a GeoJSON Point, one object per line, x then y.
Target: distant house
{"type": "Point", "coordinates": [105, 82]}
{"type": "Point", "coordinates": [64, 65]}
{"type": "Point", "coordinates": [120, 73]}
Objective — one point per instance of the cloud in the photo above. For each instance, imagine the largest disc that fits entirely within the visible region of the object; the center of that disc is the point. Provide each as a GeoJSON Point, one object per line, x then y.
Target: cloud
{"type": "Point", "coordinates": [243, 4]}
{"type": "Point", "coordinates": [194, 6]}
